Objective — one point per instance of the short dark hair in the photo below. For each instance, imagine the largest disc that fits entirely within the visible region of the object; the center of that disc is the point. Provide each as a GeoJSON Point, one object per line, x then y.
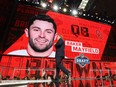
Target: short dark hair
{"type": "Point", "coordinates": [42, 17]}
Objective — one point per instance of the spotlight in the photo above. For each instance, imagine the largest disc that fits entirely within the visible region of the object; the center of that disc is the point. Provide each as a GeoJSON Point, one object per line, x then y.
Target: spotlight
{"type": "Point", "coordinates": [113, 22]}
{"type": "Point", "coordinates": [64, 9]}
{"type": "Point", "coordinates": [99, 18]}
{"type": "Point", "coordinates": [74, 12]}
{"type": "Point", "coordinates": [37, 2]}
{"type": "Point", "coordinates": [103, 19]}
{"type": "Point", "coordinates": [109, 21]}
{"type": "Point", "coordinates": [84, 14]}
{"type": "Point", "coordinates": [44, 5]}
{"type": "Point", "coordinates": [92, 16]}
{"type": "Point", "coordinates": [55, 7]}
{"type": "Point", "coordinates": [88, 14]}
{"type": "Point", "coordinates": [50, 1]}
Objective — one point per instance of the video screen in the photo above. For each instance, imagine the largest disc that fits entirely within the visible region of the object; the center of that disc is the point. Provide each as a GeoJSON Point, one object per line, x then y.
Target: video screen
{"type": "Point", "coordinates": [80, 36]}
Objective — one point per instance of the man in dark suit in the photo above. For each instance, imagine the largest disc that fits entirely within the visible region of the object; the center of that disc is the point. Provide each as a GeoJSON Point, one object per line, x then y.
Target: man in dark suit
{"type": "Point", "coordinates": [60, 54]}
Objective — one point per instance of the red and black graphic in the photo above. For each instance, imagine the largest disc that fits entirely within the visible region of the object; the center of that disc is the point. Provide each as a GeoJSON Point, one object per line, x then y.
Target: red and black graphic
{"type": "Point", "coordinates": [80, 35]}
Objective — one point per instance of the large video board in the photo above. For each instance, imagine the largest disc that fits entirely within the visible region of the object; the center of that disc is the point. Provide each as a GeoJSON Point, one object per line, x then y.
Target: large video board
{"type": "Point", "coordinates": [80, 36]}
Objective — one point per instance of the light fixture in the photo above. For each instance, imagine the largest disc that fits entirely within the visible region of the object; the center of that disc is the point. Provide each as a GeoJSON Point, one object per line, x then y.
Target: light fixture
{"type": "Point", "coordinates": [83, 4]}
{"type": "Point", "coordinates": [64, 9]}
{"type": "Point", "coordinates": [43, 4]}
{"type": "Point", "coordinates": [74, 12]}
{"type": "Point", "coordinates": [55, 7]}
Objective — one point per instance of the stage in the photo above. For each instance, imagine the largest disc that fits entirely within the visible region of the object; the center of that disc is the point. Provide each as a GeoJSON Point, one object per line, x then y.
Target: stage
{"type": "Point", "coordinates": [73, 82]}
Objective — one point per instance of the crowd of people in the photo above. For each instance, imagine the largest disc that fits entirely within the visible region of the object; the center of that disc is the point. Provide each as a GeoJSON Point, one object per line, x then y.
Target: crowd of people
{"type": "Point", "coordinates": [45, 76]}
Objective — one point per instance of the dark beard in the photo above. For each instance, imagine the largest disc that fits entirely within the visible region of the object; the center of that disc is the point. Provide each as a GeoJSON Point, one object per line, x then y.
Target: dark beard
{"type": "Point", "coordinates": [39, 50]}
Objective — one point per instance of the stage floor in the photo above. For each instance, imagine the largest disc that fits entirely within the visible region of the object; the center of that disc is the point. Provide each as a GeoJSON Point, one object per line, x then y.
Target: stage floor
{"type": "Point", "coordinates": [74, 82]}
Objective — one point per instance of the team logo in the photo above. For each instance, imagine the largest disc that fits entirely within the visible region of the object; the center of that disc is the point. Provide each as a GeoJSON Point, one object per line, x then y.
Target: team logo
{"type": "Point", "coordinates": [82, 60]}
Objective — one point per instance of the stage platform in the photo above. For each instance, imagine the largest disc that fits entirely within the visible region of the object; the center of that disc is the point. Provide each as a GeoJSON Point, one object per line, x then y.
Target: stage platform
{"type": "Point", "coordinates": [74, 82]}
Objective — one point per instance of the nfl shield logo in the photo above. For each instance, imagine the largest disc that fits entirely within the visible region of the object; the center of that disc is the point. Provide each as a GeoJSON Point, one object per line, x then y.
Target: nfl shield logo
{"type": "Point", "coordinates": [82, 60]}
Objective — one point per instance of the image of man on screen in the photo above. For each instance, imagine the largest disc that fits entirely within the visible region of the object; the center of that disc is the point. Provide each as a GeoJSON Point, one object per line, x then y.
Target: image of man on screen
{"type": "Point", "coordinates": [41, 33]}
